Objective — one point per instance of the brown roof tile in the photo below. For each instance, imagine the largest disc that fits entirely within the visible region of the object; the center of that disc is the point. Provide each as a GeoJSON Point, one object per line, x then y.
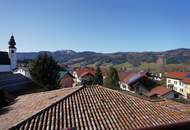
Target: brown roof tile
{"type": "Point", "coordinates": [186, 80]}
{"type": "Point", "coordinates": [26, 105]}
{"type": "Point", "coordinates": [101, 108]}
{"type": "Point", "coordinates": [159, 90]}
{"type": "Point", "coordinates": [81, 71]}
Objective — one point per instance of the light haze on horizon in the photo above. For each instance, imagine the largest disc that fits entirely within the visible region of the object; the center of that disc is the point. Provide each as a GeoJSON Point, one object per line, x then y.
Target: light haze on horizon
{"type": "Point", "coordinates": [95, 25]}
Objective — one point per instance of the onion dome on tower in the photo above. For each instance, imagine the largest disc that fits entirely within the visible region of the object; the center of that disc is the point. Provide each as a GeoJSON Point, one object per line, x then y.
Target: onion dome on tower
{"type": "Point", "coordinates": [12, 42]}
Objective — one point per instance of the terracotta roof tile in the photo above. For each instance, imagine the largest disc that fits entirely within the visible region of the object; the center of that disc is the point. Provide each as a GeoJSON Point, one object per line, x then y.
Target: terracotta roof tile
{"type": "Point", "coordinates": [101, 108]}
{"type": "Point", "coordinates": [26, 105]}
{"type": "Point", "coordinates": [186, 80]}
{"type": "Point", "coordinates": [159, 90]}
{"type": "Point", "coordinates": [81, 71]}
{"type": "Point", "coordinates": [177, 75]}
{"type": "Point", "coordinates": [125, 76]}
{"type": "Point", "coordinates": [185, 108]}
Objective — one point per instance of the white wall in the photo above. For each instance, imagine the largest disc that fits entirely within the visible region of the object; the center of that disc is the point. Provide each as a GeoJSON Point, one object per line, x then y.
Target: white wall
{"type": "Point", "coordinates": [177, 85]}
{"type": "Point", "coordinates": [77, 79]}
{"type": "Point", "coordinates": [5, 68]}
{"type": "Point", "coordinates": [23, 72]}
{"type": "Point", "coordinates": [13, 57]}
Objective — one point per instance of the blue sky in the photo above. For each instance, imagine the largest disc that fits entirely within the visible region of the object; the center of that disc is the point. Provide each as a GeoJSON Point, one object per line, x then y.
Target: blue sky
{"type": "Point", "coordinates": [95, 25]}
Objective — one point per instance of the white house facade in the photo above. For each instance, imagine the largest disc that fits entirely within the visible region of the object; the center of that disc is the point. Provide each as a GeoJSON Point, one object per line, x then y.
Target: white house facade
{"type": "Point", "coordinates": [24, 71]}
{"type": "Point", "coordinates": [180, 82]}
{"type": "Point", "coordinates": [175, 84]}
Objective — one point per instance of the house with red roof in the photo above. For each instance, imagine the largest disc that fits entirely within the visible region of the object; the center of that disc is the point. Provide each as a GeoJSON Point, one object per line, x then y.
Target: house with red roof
{"type": "Point", "coordinates": [66, 79]}
{"type": "Point", "coordinates": [124, 78]}
{"type": "Point", "coordinates": [162, 92]}
{"type": "Point", "coordinates": [136, 82]}
{"type": "Point", "coordinates": [84, 75]}
{"type": "Point", "coordinates": [179, 81]}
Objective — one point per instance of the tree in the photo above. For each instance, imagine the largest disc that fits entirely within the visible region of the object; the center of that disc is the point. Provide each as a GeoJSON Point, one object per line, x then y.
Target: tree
{"type": "Point", "coordinates": [44, 70]}
{"type": "Point", "coordinates": [112, 79]}
{"type": "Point", "coordinates": [98, 79]}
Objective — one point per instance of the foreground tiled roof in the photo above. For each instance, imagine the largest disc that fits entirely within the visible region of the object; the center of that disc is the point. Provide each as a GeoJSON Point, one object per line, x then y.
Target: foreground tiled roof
{"type": "Point", "coordinates": [101, 108]}
{"type": "Point", "coordinates": [27, 105]}
{"type": "Point", "coordinates": [185, 108]}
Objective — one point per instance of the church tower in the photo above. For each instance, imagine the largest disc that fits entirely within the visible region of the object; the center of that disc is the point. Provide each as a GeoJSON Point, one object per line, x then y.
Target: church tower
{"type": "Point", "coordinates": [12, 53]}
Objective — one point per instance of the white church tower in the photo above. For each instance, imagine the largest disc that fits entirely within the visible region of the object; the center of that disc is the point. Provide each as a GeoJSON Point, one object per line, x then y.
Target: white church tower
{"type": "Point", "coordinates": [12, 53]}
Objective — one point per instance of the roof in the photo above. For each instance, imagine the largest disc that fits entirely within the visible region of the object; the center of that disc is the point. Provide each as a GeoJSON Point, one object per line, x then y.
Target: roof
{"type": "Point", "coordinates": [122, 75]}
{"type": "Point", "coordinates": [159, 90]}
{"type": "Point", "coordinates": [13, 82]}
{"type": "Point", "coordinates": [177, 75]}
{"type": "Point", "coordinates": [62, 74]}
{"type": "Point", "coordinates": [12, 42]}
{"type": "Point", "coordinates": [81, 71]}
{"type": "Point", "coordinates": [97, 107]}
{"type": "Point", "coordinates": [26, 105]}
{"type": "Point", "coordinates": [4, 58]}
{"type": "Point", "coordinates": [185, 108]}
{"type": "Point", "coordinates": [128, 77]}
{"type": "Point", "coordinates": [186, 80]}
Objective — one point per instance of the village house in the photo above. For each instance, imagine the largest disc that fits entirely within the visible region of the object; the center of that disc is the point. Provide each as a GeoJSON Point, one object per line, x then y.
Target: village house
{"type": "Point", "coordinates": [179, 81]}
{"type": "Point", "coordinates": [136, 82]}
{"type": "Point", "coordinates": [141, 83]}
{"type": "Point", "coordinates": [8, 60]}
{"type": "Point", "coordinates": [186, 82]}
{"type": "Point", "coordinates": [155, 76]}
{"type": "Point", "coordinates": [24, 71]}
{"type": "Point", "coordinates": [124, 78]}
{"type": "Point", "coordinates": [66, 79]}
{"type": "Point", "coordinates": [163, 92]}
{"type": "Point", "coordinates": [84, 75]}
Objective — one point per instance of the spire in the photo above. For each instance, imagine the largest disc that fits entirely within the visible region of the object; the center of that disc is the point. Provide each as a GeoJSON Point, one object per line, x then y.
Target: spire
{"type": "Point", "coordinates": [12, 42]}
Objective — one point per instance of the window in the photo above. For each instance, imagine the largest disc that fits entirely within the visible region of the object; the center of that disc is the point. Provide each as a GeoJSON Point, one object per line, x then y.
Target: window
{"type": "Point", "coordinates": [169, 81]}
{"type": "Point", "coordinates": [181, 90]}
{"type": "Point", "coordinates": [180, 83]}
{"type": "Point", "coordinates": [12, 51]}
{"type": "Point", "coordinates": [175, 82]}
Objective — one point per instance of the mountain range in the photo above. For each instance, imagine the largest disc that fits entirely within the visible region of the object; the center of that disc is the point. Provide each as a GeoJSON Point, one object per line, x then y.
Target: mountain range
{"type": "Point", "coordinates": [71, 57]}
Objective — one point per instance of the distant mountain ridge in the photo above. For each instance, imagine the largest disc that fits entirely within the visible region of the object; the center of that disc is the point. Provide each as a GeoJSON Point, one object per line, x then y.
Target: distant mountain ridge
{"type": "Point", "coordinates": [70, 57]}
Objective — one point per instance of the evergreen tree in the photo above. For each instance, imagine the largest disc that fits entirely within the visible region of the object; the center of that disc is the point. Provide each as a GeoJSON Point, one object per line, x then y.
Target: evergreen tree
{"type": "Point", "coordinates": [112, 79]}
{"type": "Point", "coordinates": [98, 79]}
{"type": "Point", "coordinates": [44, 70]}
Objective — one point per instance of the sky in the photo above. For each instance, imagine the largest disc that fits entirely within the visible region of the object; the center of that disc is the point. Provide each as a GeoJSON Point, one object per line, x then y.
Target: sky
{"type": "Point", "coordinates": [95, 25]}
